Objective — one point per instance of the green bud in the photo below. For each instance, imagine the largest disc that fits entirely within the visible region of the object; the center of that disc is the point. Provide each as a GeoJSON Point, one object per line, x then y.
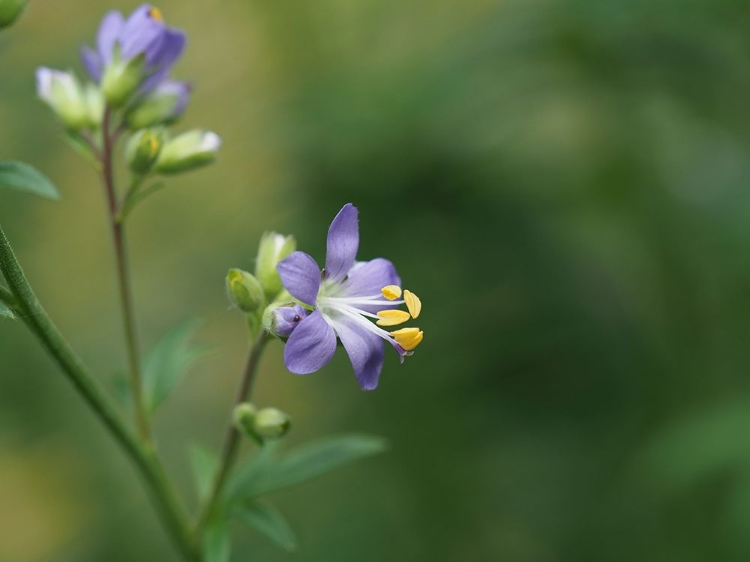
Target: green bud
{"type": "Point", "coordinates": [10, 10]}
{"type": "Point", "coordinates": [188, 151]}
{"type": "Point", "coordinates": [122, 79]}
{"type": "Point", "coordinates": [244, 417]}
{"type": "Point", "coordinates": [63, 93]}
{"type": "Point", "coordinates": [94, 100]}
{"type": "Point", "coordinates": [272, 249]}
{"type": "Point", "coordinates": [245, 291]}
{"type": "Point", "coordinates": [142, 150]}
{"type": "Point", "coordinates": [270, 423]}
{"type": "Point", "coordinates": [162, 106]}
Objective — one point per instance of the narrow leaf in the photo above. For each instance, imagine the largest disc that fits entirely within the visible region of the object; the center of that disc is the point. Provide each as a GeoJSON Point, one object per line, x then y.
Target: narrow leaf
{"type": "Point", "coordinates": [20, 176]}
{"type": "Point", "coordinates": [205, 464]}
{"type": "Point", "coordinates": [122, 392]}
{"type": "Point", "coordinates": [217, 545]}
{"type": "Point", "coordinates": [6, 312]}
{"type": "Point", "coordinates": [304, 464]}
{"type": "Point", "coordinates": [267, 520]}
{"type": "Point", "coordinates": [168, 361]}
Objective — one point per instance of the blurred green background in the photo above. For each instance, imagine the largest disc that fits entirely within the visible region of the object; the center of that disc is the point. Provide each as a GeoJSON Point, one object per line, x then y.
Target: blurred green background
{"type": "Point", "coordinates": [565, 183]}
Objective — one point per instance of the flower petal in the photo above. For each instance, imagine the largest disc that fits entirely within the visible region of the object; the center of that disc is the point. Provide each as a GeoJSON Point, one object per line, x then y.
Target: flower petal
{"type": "Point", "coordinates": [343, 243]}
{"type": "Point", "coordinates": [366, 351]}
{"type": "Point", "coordinates": [142, 34]}
{"type": "Point", "coordinates": [367, 279]}
{"type": "Point", "coordinates": [92, 62]}
{"type": "Point", "coordinates": [311, 345]}
{"type": "Point", "coordinates": [109, 32]}
{"type": "Point", "coordinates": [300, 275]}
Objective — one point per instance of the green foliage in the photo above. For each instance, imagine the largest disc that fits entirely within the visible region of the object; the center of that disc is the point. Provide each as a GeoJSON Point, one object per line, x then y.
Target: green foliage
{"type": "Point", "coordinates": [267, 473]}
{"type": "Point", "coordinates": [20, 176]}
{"type": "Point", "coordinates": [267, 520]}
{"type": "Point", "coordinates": [217, 545]}
{"type": "Point", "coordinates": [205, 464]}
{"type": "Point", "coordinates": [167, 363]}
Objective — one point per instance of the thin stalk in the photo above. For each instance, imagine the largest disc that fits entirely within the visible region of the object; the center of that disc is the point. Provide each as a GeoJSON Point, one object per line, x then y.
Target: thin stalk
{"type": "Point", "coordinates": [233, 439]}
{"type": "Point", "coordinates": [123, 278]}
{"type": "Point", "coordinates": [7, 297]}
{"type": "Point", "coordinates": [33, 314]}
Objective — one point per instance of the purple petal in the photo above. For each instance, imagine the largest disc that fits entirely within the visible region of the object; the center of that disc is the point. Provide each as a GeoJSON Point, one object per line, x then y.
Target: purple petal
{"type": "Point", "coordinates": [142, 33]}
{"type": "Point", "coordinates": [300, 275]}
{"type": "Point", "coordinates": [366, 351]}
{"type": "Point", "coordinates": [368, 278]}
{"type": "Point", "coordinates": [286, 318]}
{"type": "Point", "coordinates": [343, 243]}
{"type": "Point", "coordinates": [170, 49]}
{"type": "Point", "coordinates": [92, 62]}
{"type": "Point", "coordinates": [109, 32]}
{"type": "Point", "coordinates": [311, 345]}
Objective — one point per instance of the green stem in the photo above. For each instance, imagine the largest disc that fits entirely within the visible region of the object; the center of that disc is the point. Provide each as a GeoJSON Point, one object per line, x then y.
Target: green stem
{"type": "Point", "coordinates": [233, 438]}
{"type": "Point", "coordinates": [123, 276]}
{"type": "Point", "coordinates": [7, 297]}
{"type": "Point", "coordinates": [144, 457]}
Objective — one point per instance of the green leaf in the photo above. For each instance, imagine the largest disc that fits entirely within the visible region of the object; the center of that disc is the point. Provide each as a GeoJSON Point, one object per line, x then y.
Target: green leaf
{"type": "Point", "coordinates": [167, 363]}
{"type": "Point", "coordinates": [265, 474]}
{"type": "Point", "coordinates": [217, 546]}
{"type": "Point", "coordinates": [6, 312]}
{"type": "Point", "coordinates": [205, 464]}
{"type": "Point", "coordinates": [267, 520]}
{"type": "Point", "coordinates": [20, 176]}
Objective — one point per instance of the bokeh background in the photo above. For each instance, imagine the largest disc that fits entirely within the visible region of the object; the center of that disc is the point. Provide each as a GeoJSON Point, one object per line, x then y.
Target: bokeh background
{"type": "Point", "coordinates": [565, 183]}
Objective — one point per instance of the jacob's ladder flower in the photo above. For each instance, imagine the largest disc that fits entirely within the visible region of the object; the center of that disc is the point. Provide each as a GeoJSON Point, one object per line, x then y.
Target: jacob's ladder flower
{"type": "Point", "coordinates": [354, 301]}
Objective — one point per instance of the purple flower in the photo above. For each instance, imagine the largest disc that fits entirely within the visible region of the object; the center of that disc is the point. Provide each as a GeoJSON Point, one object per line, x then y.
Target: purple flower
{"type": "Point", "coordinates": [344, 297]}
{"type": "Point", "coordinates": [143, 33]}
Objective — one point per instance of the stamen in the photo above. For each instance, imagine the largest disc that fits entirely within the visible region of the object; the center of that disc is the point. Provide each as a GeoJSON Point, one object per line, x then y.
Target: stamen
{"type": "Point", "coordinates": [391, 292]}
{"type": "Point", "coordinates": [408, 338]}
{"type": "Point", "coordinates": [156, 15]}
{"type": "Point", "coordinates": [392, 317]}
{"type": "Point", "coordinates": [413, 304]}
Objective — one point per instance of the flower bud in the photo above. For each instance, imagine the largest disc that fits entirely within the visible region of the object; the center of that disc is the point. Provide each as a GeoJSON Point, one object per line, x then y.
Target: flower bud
{"type": "Point", "coordinates": [160, 107]}
{"type": "Point", "coordinates": [243, 417]}
{"type": "Point", "coordinates": [143, 149]}
{"type": "Point", "coordinates": [121, 79]}
{"type": "Point", "coordinates": [282, 320]}
{"type": "Point", "coordinates": [270, 423]}
{"type": "Point", "coordinates": [188, 151]}
{"type": "Point", "coordinates": [63, 93]}
{"type": "Point", "coordinates": [10, 10]}
{"type": "Point", "coordinates": [272, 249]}
{"type": "Point", "coordinates": [92, 95]}
{"type": "Point", "coordinates": [245, 291]}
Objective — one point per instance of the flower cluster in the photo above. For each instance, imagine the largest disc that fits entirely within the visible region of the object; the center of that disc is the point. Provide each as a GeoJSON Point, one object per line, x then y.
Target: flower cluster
{"type": "Point", "coordinates": [130, 83]}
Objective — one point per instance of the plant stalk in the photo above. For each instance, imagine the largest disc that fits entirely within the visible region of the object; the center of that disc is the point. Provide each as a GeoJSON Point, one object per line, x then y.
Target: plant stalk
{"type": "Point", "coordinates": [143, 455]}
{"type": "Point", "coordinates": [233, 438]}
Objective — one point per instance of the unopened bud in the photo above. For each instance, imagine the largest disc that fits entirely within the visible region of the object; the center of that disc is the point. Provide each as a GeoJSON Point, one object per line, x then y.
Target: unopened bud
{"type": "Point", "coordinates": [94, 100]}
{"type": "Point", "coordinates": [63, 93]}
{"type": "Point", "coordinates": [272, 249]}
{"type": "Point", "coordinates": [161, 106]}
{"type": "Point", "coordinates": [122, 79]}
{"type": "Point", "coordinates": [245, 290]}
{"type": "Point", "coordinates": [282, 320]}
{"type": "Point", "coordinates": [143, 149]}
{"type": "Point", "coordinates": [10, 10]}
{"type": "Point", "coordinates": [270, 423]}
{"type": "Point", "coordinates": [188, 151]}
{"type": "Point", "coordinates": [243, 417]}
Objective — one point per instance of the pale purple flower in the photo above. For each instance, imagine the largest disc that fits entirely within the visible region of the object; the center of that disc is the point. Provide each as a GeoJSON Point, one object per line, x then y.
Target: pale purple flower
{"type": "Point", "coordinates": [344, 298]}
{"type": "Point", "coordinates": [143, 33]}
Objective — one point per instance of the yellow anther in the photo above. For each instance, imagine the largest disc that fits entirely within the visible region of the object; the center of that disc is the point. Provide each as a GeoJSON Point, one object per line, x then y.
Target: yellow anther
{"type": "Point", "coordinates": [391, 292]}
{"type": "Point", "coordinates": [155, 14]}
{"type": "Point", "coordinates": [413, 304]}
{"type": "Point", "coordinates": [392, 317]}
{"type": "Point", "coordinates": [408, 338]}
